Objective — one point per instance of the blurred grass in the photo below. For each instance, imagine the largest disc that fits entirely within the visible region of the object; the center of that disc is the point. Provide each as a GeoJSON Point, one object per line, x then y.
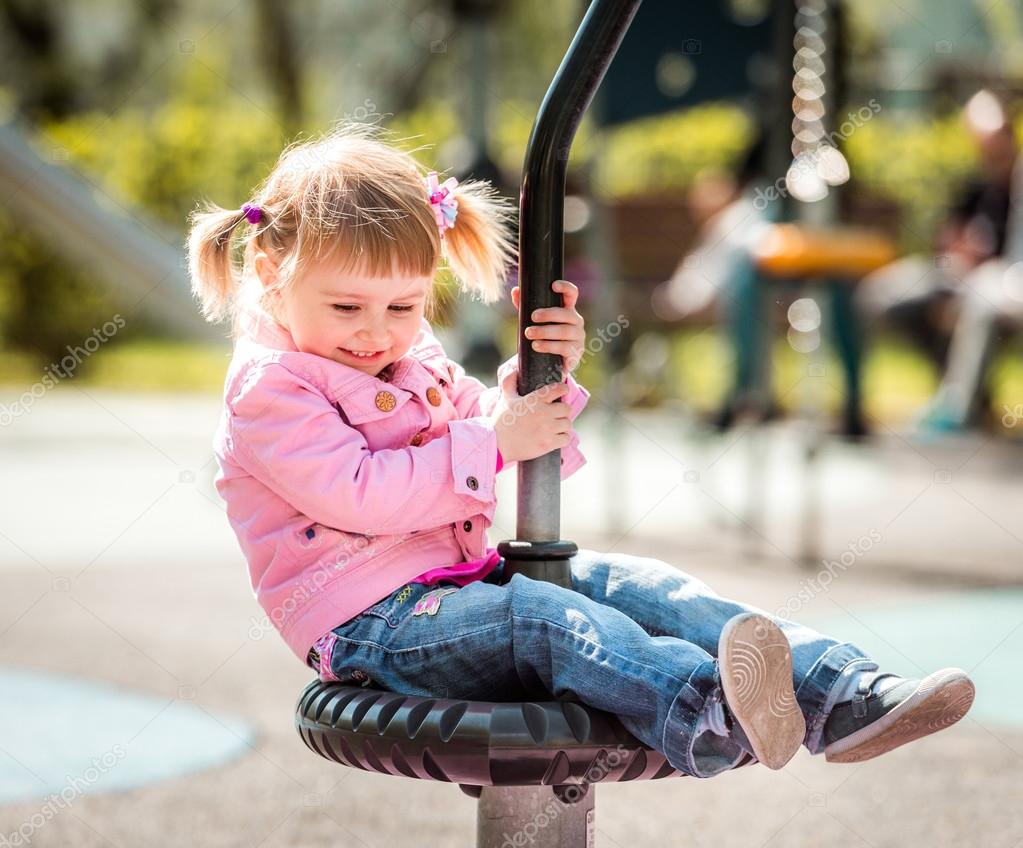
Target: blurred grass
{"type": "Point", "coordinates": [897, 379]}
{"type": "Point", "coordinates": [160, 366]}
{"type": "Point", "coordinates": [144, 365]}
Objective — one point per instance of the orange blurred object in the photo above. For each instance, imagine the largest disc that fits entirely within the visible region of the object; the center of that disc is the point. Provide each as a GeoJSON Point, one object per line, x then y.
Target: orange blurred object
{"type": "Point", "coordinates": [789, 250]}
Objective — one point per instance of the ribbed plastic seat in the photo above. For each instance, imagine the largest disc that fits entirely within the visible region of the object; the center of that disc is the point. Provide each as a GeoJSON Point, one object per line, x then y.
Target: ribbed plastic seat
{"type": "Point", "coordinates": [473, 743]}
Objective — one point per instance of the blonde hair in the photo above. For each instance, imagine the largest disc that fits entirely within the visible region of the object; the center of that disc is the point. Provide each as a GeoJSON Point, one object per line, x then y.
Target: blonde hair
{"type": "Point", "coordinates": [357, 200]}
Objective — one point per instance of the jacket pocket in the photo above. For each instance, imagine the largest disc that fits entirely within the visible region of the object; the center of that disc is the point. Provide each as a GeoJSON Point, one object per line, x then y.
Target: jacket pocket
{"type": "Point", "coordinates": [320, 548]}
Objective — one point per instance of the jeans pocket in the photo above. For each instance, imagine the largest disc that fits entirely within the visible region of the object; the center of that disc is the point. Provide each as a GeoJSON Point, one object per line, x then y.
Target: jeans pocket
{"type": "Point", "coordinates": [395, 606]}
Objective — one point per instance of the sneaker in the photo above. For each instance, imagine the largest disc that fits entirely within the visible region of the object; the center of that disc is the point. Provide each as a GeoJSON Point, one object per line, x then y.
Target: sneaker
{"type": "Point", "coordinates": [882, 717]}
{"type": "Point", "coordinates": [755, 663]}
{"type": "Point", "coordinates": [937, 421]}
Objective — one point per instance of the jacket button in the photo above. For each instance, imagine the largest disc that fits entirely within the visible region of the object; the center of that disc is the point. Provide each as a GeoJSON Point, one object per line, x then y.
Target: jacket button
{"type": "Point", "coordinates": [467, 526]}
{"type": "Point", "coordinates": [472, 483]}
{"type": "Point", "coordinates": [416, 440]}
{"type": "Point", "coordinates": [385, 401]}
{"type": "Point", "coordinates": [433, 396]}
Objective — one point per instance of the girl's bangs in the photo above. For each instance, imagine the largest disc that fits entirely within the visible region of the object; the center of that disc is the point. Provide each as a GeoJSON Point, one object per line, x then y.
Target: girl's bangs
{"type": "Point", "coordinates": [380, 250]}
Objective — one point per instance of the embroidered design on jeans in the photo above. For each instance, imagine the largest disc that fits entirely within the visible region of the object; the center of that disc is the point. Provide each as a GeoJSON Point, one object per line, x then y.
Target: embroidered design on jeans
{"type": "Point", "coordinates": [403, 595]}
{"type": "Point", "coordinates": [430, 602]}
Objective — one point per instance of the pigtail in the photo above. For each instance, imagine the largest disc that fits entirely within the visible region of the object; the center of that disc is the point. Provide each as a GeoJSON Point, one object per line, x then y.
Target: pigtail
{"type": "Point", "coordinates": [481, 244]}
{"type": "Point", "coordinates": [214, 281]}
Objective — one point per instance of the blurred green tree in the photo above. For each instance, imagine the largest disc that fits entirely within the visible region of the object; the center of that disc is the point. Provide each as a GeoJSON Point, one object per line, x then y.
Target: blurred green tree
{"type": "Point", "coordinates": [51, 79]}
{"type": "Point", "coordinates": [209, 114]}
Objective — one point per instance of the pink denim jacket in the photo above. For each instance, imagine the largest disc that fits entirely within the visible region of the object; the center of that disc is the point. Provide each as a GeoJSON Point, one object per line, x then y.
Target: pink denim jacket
{"type": "Point", "coordinates": [343, 487]}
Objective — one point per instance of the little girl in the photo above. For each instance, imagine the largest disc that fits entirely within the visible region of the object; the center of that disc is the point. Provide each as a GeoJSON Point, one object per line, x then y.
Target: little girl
{"type": "Point", "coordinates": [358, 465]}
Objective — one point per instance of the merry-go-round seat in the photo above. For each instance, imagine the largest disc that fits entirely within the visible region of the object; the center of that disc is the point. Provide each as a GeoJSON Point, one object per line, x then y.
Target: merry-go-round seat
{"type": "Point", "coordinates": [473, 743]}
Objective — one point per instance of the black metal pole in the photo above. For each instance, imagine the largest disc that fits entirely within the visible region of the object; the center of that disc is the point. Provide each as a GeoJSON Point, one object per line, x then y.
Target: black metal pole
{"type": "Point", "coordinates": [538, 552]}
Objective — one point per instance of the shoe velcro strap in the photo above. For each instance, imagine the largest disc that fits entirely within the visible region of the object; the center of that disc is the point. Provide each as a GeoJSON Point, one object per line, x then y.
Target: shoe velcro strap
{"type": "Point", "coordinates": [859, 700]}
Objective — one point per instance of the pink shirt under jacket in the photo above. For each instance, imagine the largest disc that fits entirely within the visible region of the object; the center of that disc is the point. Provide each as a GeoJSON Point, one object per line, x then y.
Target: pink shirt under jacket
{"type": "Point", "coordinates": [343, 487]}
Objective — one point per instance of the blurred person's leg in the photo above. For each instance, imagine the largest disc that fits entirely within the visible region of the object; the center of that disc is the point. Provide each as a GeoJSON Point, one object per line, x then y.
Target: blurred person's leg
{"type": "Point", "coordinates": [848, 336]}
{"type": "Point", "coordinates": [743, 307]}
{"type": "Point", "coordinates": [909, 278]}
{"type": "Point", "coordinates": [919, 319]}
{"type": "Point", "coordinates": [992, 295]}
{"type": "Point", "coordinates": [909, 294]}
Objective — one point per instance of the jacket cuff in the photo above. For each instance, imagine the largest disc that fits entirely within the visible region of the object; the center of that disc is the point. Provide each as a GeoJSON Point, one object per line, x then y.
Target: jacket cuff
{"type": "Point", "coordinates": [572, 458]}
{"type": "Point", "coordinates": [509, 365]}
{"type": "Point", "coordinates": [576, 398]}
{"type": "Point", "coordinates": [474, 457]}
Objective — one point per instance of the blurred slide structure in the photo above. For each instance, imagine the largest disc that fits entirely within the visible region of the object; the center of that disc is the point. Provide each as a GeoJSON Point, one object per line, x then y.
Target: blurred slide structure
{"type": "Point", "coordinates": [140, 262]}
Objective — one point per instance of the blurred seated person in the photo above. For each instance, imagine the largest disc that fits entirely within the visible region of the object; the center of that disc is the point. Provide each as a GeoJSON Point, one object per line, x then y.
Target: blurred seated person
{"type": "Point", "coordinates": [991, 309]}
{"type": "Point", "coordinates": [720, 271]}
{"type": "Point", "coordinates": [921, 296]}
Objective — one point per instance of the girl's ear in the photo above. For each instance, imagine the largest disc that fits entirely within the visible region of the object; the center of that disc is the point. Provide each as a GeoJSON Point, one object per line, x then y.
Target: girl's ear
{"type": "Point", "coordinates": [266, 268]}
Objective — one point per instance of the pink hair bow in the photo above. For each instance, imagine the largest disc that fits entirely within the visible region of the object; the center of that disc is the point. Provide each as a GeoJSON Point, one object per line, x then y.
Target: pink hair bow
{"type": "Point", "coordinates": [445, 207]}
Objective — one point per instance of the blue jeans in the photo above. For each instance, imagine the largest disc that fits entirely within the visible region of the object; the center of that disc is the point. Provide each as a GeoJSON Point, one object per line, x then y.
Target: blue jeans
{"type": "Point", "coordinates": [637, 637]}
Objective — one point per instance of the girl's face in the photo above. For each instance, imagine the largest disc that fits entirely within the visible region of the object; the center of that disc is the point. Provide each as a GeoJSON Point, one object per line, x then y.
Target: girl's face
{"type": "Point", "coordinates": [343, 316]}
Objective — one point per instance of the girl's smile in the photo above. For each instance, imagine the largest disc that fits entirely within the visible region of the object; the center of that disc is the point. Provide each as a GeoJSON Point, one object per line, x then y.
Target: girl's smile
{"type": "Point", "coordinates": [363, 354]}
{"type": "Point", "coordinates": [364, 322]}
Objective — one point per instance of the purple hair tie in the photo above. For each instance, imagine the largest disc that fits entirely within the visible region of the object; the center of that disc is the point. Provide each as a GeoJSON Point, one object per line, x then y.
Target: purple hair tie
{"type": "Point", "coordinates": [253, 214]}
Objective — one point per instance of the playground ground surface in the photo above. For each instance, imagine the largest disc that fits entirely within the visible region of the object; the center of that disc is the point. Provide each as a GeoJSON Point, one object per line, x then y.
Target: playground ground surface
{"type": "Point", "coordinates": [130, 643]}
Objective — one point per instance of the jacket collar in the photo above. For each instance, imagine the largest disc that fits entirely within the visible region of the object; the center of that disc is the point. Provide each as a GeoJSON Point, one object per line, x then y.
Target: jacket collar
{"type": "Point", "coordinates": [425, 364]}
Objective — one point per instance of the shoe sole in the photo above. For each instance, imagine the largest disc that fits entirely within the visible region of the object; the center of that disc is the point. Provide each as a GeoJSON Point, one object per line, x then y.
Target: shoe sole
{"type": "Point", "coordinates": [939, 701]}
{"type": "Point", "coordinates": [755, 662]}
